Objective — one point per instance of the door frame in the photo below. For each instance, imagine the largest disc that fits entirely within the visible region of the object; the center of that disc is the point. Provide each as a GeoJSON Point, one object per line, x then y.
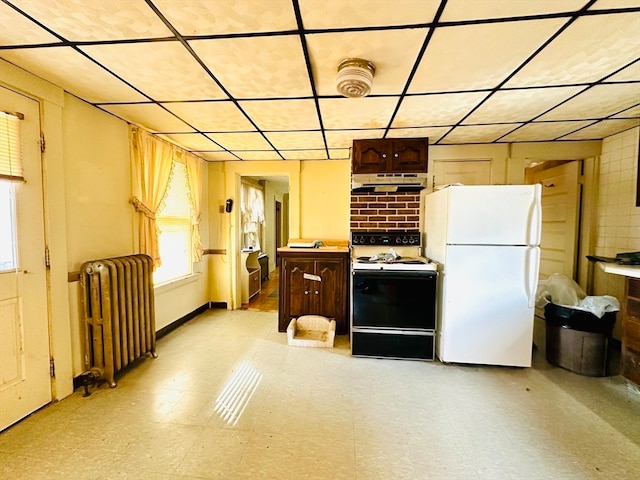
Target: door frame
{"type": "Point", "coordinates": [61, 288]}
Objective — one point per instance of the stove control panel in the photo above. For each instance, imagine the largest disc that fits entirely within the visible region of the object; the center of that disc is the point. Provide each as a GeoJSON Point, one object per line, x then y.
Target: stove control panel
{"type": "Point", "coordinates": [386, 238]}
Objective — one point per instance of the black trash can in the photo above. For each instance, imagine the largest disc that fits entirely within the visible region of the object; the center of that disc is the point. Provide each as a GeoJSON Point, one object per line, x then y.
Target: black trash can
{"type": "Point", "coordinates": [578, 340]}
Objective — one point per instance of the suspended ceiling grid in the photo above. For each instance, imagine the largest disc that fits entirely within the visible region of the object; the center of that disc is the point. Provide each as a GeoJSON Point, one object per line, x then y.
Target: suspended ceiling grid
{"type": "Point", "coordinates": [255, 79]}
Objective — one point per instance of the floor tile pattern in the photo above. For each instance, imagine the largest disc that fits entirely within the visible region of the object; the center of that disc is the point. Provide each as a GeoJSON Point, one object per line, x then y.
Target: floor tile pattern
{"type": "Point", "coordinates": [325, 415]}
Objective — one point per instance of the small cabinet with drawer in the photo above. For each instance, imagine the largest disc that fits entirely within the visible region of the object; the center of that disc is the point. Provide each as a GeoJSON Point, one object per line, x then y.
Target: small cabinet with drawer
{"type": "Point", "coordinates": [250, 273]}
{"type": "Point", "coordinates": [313, 282]}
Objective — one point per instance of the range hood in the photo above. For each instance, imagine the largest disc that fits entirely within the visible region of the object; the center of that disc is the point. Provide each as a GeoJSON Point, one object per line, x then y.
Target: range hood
{"type": "Point", "coordinates": [388, 182]}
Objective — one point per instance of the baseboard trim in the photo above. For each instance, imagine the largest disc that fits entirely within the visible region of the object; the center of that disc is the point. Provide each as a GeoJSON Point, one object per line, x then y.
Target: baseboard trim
{"type": "Point", "coordinates": [181, 321]}
{"type": "Point", "coordinates": [77, 381]}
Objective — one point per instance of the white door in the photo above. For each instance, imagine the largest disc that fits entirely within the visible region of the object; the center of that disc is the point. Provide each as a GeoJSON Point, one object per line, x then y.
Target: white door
{"type": "Point", "coordinates": [560, 215]}
{"type": "Point", "coordinates": [488, 296]}
{"type": "Point", "coordinates": [25, 383]}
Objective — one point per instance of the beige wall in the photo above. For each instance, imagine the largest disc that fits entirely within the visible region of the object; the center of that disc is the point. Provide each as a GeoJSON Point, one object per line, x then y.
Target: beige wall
{"type": "Point", "coordinates": [97, 184]}
{"type": "Point", "coordinates": [618, 218]}
{"type": "Point", "coordinates": [325, 188]}
{"type": "Point", "coordinates": [101, 221]}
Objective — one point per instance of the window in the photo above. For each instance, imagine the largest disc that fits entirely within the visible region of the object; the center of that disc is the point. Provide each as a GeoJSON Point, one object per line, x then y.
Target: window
{"type": "Point", "coordinates": [174, 225]}
{"type": "Point", "coordinates": [10, 173]}
{"type": "Point", "coordinates": [8, 253]}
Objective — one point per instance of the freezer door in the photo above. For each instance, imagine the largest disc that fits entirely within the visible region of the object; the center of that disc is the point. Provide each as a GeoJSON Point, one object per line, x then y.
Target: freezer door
{"type": "Point", "coordinates": [487, 305]}
{"type": "Point", "coordinates": [494, 215]}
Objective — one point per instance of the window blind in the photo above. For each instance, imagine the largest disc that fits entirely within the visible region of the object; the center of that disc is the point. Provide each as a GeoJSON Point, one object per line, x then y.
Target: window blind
{"type": "Point", "coordinates": [10, 146]}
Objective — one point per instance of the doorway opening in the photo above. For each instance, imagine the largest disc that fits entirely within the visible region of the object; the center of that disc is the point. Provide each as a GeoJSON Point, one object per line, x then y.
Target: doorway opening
{"type": "Point", "coordinates": [259, 267]}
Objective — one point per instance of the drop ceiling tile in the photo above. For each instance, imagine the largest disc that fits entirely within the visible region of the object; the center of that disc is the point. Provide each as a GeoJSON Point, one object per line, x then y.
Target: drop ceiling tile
{"type": "Point", "coordinates": [629, 74]}
{"type": "Point", "coordinates": [193, 141]}
{"type": "Point", "coordinates": [472, 57]}
{"type": "Point", "coordinates": [304, 154]}
{"type": "Point", "coordinates": [393, 52]}
{"type": "Point", "coordinates": [211, 116]}
{"type": "Point", "coordinates": [543, 131]}
{"type": "Point", "coordinates": [589, 49]}
{"type": "Point", "coordinates": [477, 133]}
{"type": "Point", "coordinates": [340, 154]}
{"type": "Point", "coordinates": [457, 10]}
{"type": "Point", "coordinates": [282, 114]}
{"type": "Point", "coordinates": [73, 72]}
{"type": "Point", "coordinates": [345, 138]}
{"type": "Point", "coordinates": [320, 14]}
{"type": "Point", "coordinates": [240, 141]}
{"type": "Point", "coordinates": [162, 70]}
{"type": "Point", "coordinates": [197, 17]}
{"type": "Point", "coordinates": [597, 102]}
{"type": "Point", "coordinates": [602, 129]}
{"type": "Point", "coordinates": [433, 134]}
{"type": "Point", "coordinates": [149, 116]}
{"type": "Point", "coordinates": [633, 112]}
{"type": "Point", "coordinates": [436, 110]}
{"type": "Point", "coordinates": [354, 113]}
{"type": "Point", "coordinates": [217, 156]}
{"type": "Point", "coordinates": [520, 105]}
{"type": "Point", "coordinates": [23, 31]}
{"type": "Point", "coordinates": [296, 140]}
{"type": "Point", "coordinates": [611, 4]}
{"type": "Point", "coordinates": [257, 67]}
{"type": "Point", "coordinates": [257, 155]}
{"type": "Point", "coordinates": [82, 20]}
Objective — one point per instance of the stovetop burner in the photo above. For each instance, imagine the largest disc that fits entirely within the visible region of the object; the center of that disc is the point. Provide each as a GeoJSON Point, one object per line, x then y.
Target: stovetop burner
{"type": "Point", "coordinates": [403, 260]}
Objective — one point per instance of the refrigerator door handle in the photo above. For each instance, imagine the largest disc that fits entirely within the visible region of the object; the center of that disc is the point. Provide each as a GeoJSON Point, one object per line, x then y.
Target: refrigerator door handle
{"type": "Point", "coordinates": [535, 216]}
{"type": "Point", "coordinates": [532, 270]}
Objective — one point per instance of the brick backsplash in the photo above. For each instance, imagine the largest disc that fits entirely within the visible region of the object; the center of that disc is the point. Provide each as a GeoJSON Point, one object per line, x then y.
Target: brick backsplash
{"type": "Point", "coordinates": [384, 212]}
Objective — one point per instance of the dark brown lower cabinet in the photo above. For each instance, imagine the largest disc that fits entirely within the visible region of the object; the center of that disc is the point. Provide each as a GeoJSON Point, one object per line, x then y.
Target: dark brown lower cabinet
{"type": "Point", "coordinates": [631, 331]}
{"type": "Point", "coordinates": [313, 284]}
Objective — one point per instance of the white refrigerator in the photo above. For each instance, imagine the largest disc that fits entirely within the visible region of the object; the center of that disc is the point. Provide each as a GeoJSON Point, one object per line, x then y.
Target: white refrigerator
{"type": "Point", "coordinates": [486, 241]}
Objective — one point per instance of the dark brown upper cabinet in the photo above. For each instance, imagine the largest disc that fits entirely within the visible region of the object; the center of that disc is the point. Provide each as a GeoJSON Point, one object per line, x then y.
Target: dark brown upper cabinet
{"type": "Point", "coordinates": [390, 155]}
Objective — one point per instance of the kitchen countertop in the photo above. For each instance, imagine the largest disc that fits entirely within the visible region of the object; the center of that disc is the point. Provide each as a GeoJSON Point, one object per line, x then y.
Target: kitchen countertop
{"type": "Point", "coordinates": [319, 250]}
{"type": "Point", "coordinates": [328, 246]}
{"type": "Point", "coordinates": [616, 269]}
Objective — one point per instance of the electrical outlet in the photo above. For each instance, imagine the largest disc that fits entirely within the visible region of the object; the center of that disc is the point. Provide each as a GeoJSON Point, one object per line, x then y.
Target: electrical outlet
{"type": "Point", "coordinates": [220, 208]}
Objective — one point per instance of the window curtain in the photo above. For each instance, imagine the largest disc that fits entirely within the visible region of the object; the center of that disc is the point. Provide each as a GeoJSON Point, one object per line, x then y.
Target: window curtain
{"type": "Point", "coordinates": [152, 161]}
{"type": "Point", "coordinates": [252, 210]}
{"type": "Point", "coordinates": [194, 177]}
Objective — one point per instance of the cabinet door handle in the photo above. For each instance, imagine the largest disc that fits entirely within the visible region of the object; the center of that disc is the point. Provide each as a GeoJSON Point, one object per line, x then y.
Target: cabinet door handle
{"type": "Point", "coordinates": [395, 155]}
{"type": "Point", "coordinates": [384, 155]}
{"type": "Point", "coordinates": [306, 292]}
{"type": "Point", "coordinates": [317, 292]}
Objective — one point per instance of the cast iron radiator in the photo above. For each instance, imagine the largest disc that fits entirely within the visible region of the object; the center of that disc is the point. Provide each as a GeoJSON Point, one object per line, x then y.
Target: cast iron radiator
{"type": "Point", "coordinates": [118, 306]}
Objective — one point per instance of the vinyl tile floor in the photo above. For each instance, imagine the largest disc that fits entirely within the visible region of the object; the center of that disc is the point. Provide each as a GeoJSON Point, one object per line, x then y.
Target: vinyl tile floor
{"type": "Point", "coordinates": [227, 398]}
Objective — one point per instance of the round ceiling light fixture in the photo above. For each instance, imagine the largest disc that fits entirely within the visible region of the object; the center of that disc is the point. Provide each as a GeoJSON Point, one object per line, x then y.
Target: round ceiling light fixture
{"type": "Point", "coordinates": [355, 77]}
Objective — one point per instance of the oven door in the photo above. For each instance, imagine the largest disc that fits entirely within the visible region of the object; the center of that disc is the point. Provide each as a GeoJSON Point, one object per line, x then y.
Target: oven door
{"type": "Point", "coordinates": [394, 299]}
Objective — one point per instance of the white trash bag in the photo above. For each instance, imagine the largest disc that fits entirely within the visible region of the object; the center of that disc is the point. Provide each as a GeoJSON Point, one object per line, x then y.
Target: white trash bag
{"type": "Point", "coordinates": [561, 290]}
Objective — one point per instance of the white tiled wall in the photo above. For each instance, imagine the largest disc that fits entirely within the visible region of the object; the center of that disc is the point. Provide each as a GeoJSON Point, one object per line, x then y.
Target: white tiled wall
{"type": "Point", "coordinates": [618, 226]}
